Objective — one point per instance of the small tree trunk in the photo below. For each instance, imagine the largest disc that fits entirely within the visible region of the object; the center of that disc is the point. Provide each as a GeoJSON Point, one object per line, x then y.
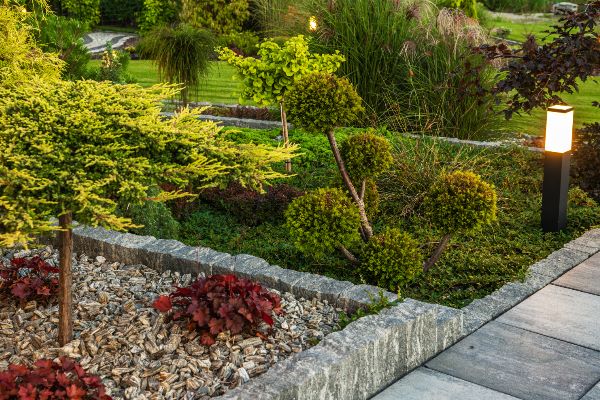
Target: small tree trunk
{"type": "Point", "coordinates": [366, 226]}
{"type": "Point", "coordinates": [349, 256]}
{"type": "Point", "coordinates": [437, 253]}
{"type": "Point", "coordinates": [285, 134]}
{"type": "Point", "coordinates": [363, 188]}
{"type": "Point", "coordinates": [65, 306]}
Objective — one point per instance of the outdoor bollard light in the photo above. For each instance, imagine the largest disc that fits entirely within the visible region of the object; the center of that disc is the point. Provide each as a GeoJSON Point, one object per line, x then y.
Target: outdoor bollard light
{"type": "Point", "coordinates": [312, 24]}
{"type": "Point", "coordinates": [559, 137]}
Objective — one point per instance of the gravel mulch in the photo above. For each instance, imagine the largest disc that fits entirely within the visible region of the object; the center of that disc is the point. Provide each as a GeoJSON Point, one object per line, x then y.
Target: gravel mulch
{"type": "Point", "coordinates": [135, 350]}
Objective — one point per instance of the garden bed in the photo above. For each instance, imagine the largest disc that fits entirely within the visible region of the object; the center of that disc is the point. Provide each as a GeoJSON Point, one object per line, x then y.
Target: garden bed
{"type": "Point", "coordinates": [137, 352]}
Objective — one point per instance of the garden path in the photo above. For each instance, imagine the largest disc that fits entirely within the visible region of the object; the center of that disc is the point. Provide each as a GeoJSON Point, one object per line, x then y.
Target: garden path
{"type": "Point", "coordinates": [547, 347]}
{"type": "Point", "coordinates": [96, 41]}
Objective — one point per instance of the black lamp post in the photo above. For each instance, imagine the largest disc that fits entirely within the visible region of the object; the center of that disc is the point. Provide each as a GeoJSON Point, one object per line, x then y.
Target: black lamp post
{"type": "Point", "coordinates": [557, 163]}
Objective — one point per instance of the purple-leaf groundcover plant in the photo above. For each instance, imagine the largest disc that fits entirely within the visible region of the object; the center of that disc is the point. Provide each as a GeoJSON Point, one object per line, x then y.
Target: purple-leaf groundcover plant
{"type": "Point", "coordinates": [47, 379]}
{"type": "Point", "coordinates": [29, 279]}
{"type": "Point", "coordinates": [219, 303]}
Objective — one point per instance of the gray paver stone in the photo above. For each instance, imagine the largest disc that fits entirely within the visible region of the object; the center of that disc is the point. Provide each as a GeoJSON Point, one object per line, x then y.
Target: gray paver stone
{"type": "Point", "coordinates": [593, 394]}
{"type": "Point", "coordinates": [521, 363]}
{"type": "Point", "coordinates": [427, 384]}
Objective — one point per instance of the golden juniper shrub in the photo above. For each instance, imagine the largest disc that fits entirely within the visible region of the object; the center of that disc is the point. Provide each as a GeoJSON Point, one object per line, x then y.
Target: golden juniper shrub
{"type": "Point", "coordinates": [366, 155]}
{"type": "Point", "coordinates": [20, 58]}
{"type": "Point", "coordinates": [461, 202]}
{"type": "Point", "coordinates": [320, 102]}
{"type": "Point", "coordinates": [392, 258]}
{"type": "Point", "coordinates": [321, 221]}
{"type": "Point", "coordinates": [83, 146]}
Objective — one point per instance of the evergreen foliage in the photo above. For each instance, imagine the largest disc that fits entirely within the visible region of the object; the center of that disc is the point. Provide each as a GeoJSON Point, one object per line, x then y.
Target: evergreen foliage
{"type": "Point", "coordinates": [367, 155]}
{"type": "Point", "coordinates": [393, 259]}
{"type": "Point", "coordinates": [220, 16]}
{"type": "Point", "coordinates": [322, 221]}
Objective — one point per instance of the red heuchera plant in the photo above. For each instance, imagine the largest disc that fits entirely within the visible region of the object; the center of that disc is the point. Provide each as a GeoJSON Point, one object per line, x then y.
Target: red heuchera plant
{"type": "Point", "coordinates": [29, 278]}
{"type": "Point", "coordinates": [219, 303]}
{"type": "Point", "coordinates": [50, 380]}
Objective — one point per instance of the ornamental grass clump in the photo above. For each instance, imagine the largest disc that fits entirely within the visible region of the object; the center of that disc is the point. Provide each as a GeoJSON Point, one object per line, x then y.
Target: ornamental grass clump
{"type": "Point", "coordinates": [392, 258]}
{"type": "Point", "coordinates": [48, 379]}
{"type": "Point", "coordinates": [461, 202]}
{"type": "Point", "coordinates": [221, 303]}
{"type": "Point", "coordinates": [322, 222]}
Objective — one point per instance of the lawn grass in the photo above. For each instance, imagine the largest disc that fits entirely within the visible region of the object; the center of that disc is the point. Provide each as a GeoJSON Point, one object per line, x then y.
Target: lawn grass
{"type": "Point", "coordinates": [473, 266]}
{"type": "Point", "coordinates": [220, 87]}
{"type": "Point", "coordinates": [520, 30]}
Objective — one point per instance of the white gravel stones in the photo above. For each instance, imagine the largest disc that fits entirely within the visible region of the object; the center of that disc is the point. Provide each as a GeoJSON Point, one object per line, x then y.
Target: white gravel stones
{"type": "Point", "coordinates": [137, 353]}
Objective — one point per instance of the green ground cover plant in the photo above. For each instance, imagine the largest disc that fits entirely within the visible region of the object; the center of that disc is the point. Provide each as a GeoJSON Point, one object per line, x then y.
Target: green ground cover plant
{"type": "Point", "coordinates": [474, 264]}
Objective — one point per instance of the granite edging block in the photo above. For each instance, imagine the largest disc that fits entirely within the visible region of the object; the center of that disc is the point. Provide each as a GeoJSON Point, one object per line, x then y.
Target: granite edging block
{"type": "Point", "coordinates": [360, 296]}
{"type": "Point", "coordinates": [559, 262]}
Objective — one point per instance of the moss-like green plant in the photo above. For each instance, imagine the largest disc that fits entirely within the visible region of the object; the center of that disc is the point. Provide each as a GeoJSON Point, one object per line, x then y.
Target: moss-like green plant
{"type": "Point", "coordinates": [322, 221]}
{"type": "Point", "coordinates": [461, 202]}
{"type": "Point", "coordinates": [371, 198]}
{"type": "Point", "coordinates": [220, 16]}
{"type": "Point", "coordinates": [367, 155]}
{"type": "Point", "coordinates": [392, 258]}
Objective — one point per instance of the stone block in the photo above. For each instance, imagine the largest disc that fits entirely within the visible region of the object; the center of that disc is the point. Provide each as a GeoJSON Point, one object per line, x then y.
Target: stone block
{"type": "Point", "coordinates": [449, 327]}
{"type": "Point", "coordinates": [281, 279]}
{"type": "Point", "coordinates": [558, 262]}
{"type": "Point", "coordinates": [321, 287]}
{"type": "Point", "coordinates": [247, 266]}
{"type": "Point", "coordinates": [360, 296]}
{"type": "Point", "coordinates": [220, 263]}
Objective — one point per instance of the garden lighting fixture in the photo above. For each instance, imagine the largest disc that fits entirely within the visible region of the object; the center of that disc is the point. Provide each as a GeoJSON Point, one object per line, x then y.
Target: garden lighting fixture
{"type": "Point", "coordinates": [557, 163]}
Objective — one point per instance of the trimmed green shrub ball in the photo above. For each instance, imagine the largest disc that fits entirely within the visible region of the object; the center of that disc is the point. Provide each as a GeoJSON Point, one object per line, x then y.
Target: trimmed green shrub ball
{"type": "Point", "coordinates": [371, 199]}
{"type": "Point", "coordinates": [392, 258]}
{"type": "Point", "coordinates": [366, 155]}
{"type": "Point", "coordinates": [322, 220]}
{"type": "Point", "coordinates": [319, 102]}
{"type": "Point", "coordinates": [461, 202]}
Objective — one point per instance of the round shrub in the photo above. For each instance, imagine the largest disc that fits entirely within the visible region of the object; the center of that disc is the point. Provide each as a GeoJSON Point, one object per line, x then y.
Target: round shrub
{"type": "Point", "coordinates": [393, 259]}
{"type": "Point", "coordinates": [461, 202]}
{"type": "Point", "coordinates": [320, 102]}
{"type": "Point", "coordinates": [366, 155]}
{"type": "Point", "coordinates": [320, 221]}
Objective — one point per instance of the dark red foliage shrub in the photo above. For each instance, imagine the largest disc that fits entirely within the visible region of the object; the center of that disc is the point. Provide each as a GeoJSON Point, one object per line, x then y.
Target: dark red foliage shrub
{"type": "Point", "coordinates": [534, 75]}
{"type": "Point", "coordinates": [250, 207]}
{"type": "Point", "coordinates": [50, 380]}
{"type": "Point", "coordinates": [29, 278]}
{"type": "Point", "coordinates": [586, 157]}
{"type": "Point", "coordinates": [263, 114]}
{"type": "Point", "coordinates": [219, 303]}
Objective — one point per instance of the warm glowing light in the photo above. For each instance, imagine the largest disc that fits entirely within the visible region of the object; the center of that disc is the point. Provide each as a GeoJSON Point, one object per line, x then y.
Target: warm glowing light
{"type": "Point", "coordinates": [559, 129]}
{"type": "Point", "coordinates": [312, 23]}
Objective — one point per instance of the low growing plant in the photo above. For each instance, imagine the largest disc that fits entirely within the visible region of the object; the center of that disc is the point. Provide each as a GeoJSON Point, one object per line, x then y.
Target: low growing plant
{"type": "Point", "coordinates": [221, 303]}
{"type": "Point", "coordinates": [392, 258]}
{"type": "Point", "coordinates": [49, 379]}
{"type": "Point", "coordinates": [249, 206]}
{"type": "Point", "coordinates": [29, 278]}
{"type": "Point", "coordinates": [461, 202]}
{"type": "Point", "coordinates": [376, 305]}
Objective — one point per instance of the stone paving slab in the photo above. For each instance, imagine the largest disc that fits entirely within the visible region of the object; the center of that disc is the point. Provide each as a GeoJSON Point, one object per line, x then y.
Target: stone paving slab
{"type": "Point", "coordinates": [593, 394]}
{"type": "Point", "coordinates": [427, 384]}
{"type": "Point", "coordinates": [561, 313]}
{"type": "Point", "coordinates": [521, 363]}
{"type": "Point", "coordinates": [585, 277]}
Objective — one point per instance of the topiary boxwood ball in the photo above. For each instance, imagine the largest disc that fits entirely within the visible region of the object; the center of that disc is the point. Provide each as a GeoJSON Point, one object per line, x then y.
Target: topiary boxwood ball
{"type": "Point", "coordinates": [321, 221]}
{"type": "Point", "coordinates": [319, 102]}
{"type": "Point", "coordinates": [392, 258]}
{"type": "Point", "coordinates": [461, 202]}
{"type": "Point", "coordinates": [366, 155]}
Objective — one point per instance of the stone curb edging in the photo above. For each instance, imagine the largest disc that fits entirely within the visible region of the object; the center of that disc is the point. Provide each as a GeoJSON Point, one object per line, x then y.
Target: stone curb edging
{"type": "Point", "coordinates": [237, 122]}
{"type": "Point", "coordinates": [370, 353]}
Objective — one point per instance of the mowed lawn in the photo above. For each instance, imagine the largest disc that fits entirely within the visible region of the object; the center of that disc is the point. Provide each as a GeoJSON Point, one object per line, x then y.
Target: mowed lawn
{"type": "Point", "coordinates": [219, 87]}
